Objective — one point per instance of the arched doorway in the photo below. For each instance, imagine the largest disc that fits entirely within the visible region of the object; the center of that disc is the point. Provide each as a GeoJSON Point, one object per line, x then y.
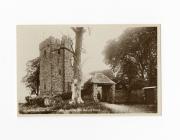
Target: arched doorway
{"type": "Point", "coordinates": [99, 96]}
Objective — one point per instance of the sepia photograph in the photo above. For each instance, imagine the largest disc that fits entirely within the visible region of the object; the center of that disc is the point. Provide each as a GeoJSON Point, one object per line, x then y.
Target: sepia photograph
{"type": "Point", "coordinates": [88, 69]}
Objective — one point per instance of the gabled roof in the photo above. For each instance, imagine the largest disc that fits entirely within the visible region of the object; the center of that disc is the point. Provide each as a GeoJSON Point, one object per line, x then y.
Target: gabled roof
{"type": "Point", "coordinates": [100, 78]}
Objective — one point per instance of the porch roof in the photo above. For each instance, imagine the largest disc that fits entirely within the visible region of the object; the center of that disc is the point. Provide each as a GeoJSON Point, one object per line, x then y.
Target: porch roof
{"type": "Point", "coordinates": [100, 78]}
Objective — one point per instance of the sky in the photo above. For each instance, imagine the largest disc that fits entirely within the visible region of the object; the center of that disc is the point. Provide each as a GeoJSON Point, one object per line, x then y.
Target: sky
{"type": "Point", "coordinates": [94, 40]}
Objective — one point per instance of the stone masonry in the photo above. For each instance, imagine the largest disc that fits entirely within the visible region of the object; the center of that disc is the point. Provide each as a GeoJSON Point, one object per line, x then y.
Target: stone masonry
{"type": "Point", "coordinates": [56, 69]}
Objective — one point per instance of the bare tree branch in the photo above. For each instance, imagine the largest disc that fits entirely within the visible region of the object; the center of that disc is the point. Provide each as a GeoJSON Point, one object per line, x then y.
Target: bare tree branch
{"type": "Point", "coordinates": [67, 50]}
{"type": "Point", "coordinates": [78, 29]}
{"type": "Point", "coordinates": [74, 29]}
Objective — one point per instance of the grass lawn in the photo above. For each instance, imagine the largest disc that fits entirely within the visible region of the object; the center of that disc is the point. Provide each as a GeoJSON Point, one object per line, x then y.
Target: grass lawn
{"type": "Point", "coordinates": [133, 108]}
{"type": "Point", "coordinates": [89, 107]}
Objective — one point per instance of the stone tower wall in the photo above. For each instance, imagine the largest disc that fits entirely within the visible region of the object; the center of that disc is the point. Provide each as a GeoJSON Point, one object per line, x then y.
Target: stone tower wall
{"type": "Point", "coordinates": [68, 67]}
{"type": "Point", "coordinates": [68, 71]}
{"type": "Point", "coordinates": [56, 71]}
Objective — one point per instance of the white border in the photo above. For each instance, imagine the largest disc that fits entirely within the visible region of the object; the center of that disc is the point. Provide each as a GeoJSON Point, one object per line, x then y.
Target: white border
{"type": "Point", "coordinates": [166, 13]}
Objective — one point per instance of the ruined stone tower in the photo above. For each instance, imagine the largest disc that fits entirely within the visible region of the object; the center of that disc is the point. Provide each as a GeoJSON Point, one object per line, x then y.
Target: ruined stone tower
{"type": "Point", "coordinates": [56, 69]}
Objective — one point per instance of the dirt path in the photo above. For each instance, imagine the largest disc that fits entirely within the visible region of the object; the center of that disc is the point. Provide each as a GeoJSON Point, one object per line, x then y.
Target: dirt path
{"type": "Point", "coordinates": [115, 108]}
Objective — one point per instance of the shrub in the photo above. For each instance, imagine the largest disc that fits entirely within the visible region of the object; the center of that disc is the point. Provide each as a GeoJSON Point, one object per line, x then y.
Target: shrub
{"type": "Point", "coordinates": [137, 84]}
{"type": "Point", "coordinates": [66, 96]}
{"type": "Point", "coordinates": [34, 101]}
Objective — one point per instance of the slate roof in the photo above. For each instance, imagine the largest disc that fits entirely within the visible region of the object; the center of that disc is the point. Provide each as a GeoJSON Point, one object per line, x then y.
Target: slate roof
{"type": "Point", "coordinates": [100, 78]}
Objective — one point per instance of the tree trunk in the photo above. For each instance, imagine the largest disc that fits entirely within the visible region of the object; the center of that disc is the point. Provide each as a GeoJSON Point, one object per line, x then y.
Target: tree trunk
{"type": "Point", "coordinates": [76, 85]}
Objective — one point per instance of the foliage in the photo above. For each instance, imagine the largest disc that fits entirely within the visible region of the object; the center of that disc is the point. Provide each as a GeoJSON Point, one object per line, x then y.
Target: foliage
{"type": "Point", "coordinates": [137, 84]}
{"type": "Point", "coordinates": [34, 101]}
{"type": "Point", "coordinates": [134, 55]}
{"type": "Point", "coordinates": [31, 79]}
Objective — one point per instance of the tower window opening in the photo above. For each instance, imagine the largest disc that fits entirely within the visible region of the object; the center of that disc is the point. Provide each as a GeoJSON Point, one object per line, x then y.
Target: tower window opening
{"type": "Point", "coordinates": [44, 86]}
{"type": "Point", "coordinates": [58, 60]}
{"type": "Point", "coordinates": [59, 72]}
{"type": "Point", "coordinates": [69, 86]}
{"type": "Point", "coordinates": [72, 61]}
{"type": "Point", "coordinates": [59, 52]}
{"type": "Point", "coordinates": [45, 53]}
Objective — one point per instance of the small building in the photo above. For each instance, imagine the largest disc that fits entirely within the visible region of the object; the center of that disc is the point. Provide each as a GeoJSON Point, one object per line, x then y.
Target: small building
{"type": "Point", "coordinates": [145, 95]}
{"type": "Point", "coordinates": [102, 88]}
{"type": "Point", "coordinates": [150, 94]}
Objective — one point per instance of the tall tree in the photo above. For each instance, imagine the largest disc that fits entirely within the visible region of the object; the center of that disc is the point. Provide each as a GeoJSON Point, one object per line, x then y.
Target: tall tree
{"type": "Point", "coordinates": [135, 52]}
{"type": "Point", "coordinates": [76, 85]}
{"type": "Point", "coordinates": [31, 79]}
